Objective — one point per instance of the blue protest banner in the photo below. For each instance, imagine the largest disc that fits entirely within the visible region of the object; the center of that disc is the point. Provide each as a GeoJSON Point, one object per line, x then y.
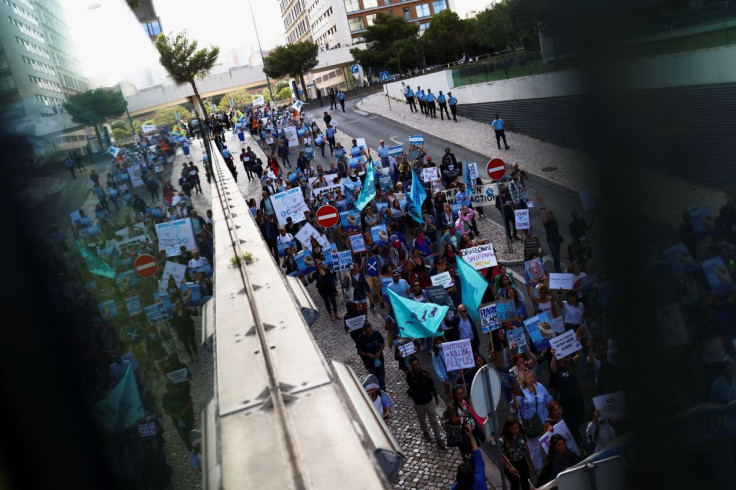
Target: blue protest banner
{"type": "Point", "coordinates": [190, 294]}
{"type": "Point", "coordinates": [533, 326]}
{"type": "Point", "coordinates": [305, 262]}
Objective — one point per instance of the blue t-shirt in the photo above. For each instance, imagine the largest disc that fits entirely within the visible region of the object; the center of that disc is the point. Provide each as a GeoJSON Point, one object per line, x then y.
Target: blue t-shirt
{"type": "Point", "coordinates": [341, 96]}
{"type": "Point", "coordinates": [430, 97]}
{"type": "Point", "coordinates": [497, 124]}
{"type": "Point", "coordinates": [479, 483]}
{"type": "Point", "coordinates": [452, 100]}
{"type": "Point", "coordinates": [441, 99]}
{"type": "Point", "coordinates": [382, 152]}
{"type": "Point", "coordinates": [401, 288]}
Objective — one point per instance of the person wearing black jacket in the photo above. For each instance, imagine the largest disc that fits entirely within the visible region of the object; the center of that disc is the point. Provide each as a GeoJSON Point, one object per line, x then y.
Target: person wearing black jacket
{"type": "Point", "coordinates": [270, 231]}
{"type": "Point", "coordinates": [325, 279]}
{"type": "Point", "coordinates": [462, 327]}
{"type": "Point", "coordinates": [449, 168]}
{"type": "Point", "coordinates": [421, 391]}
{"type": "Point", "coordinates": [184, 326]}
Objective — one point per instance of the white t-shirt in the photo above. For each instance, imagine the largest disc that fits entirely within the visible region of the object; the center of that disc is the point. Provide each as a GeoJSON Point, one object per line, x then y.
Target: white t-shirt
{"type": "Point", "coordinates": [286, 238]}
{"type": "Point", "coordinates": [195, 263]}
{"type": "Point", "coordinates": [573, 314]}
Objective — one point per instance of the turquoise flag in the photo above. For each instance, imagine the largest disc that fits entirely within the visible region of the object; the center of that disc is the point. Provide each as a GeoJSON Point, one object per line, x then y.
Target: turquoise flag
{"type": "Point", "coordinates": [369, 187]}
{"type": "Point", "coordinates": [94, 263]}
{"type": "Point", "coordinates": [416, 197]}
{"type": "Point", "coordinates": [417, 320]}
{"type": "Point", "coordinates": [473, 287]}
{"type": "Point", "coordinates": [122, 407]}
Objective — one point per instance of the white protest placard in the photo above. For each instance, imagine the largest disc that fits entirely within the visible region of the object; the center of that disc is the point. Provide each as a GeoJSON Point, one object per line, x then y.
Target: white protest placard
{"type": "Point", "coordinates": [612, 405]}
{"type": "Point", "coordinates": [480, 257]}
{"type": "Point", "coordinates": [148, 128]}
{"type": "Point", "coordinates": [586, 199]}
{"type": "Point", "coordinates": [173, 234]}
{"type": "Point", "coordinates": [484, 195]}
{"type": "Point", "coordinates": [458, 355]}
{"type": "Point", "coordinates": [178, 376]}
{"type": "Point", "coordinates": [561, 281]}
{"type": "Point", "coordinates": [305, 234]}
{"type": "Point", "coordinates": [407, 348]}
{"type": "Point", "coordinates": [289, 204]}
{"type": "Point", "coordinates": [136, 175]}
{"type": "Point", "coordinates": [175, 270]}
{"type": "Point", "coordinates": [361, 143]}
{"type": "Point", "coordinates": [324, 190]}
{"type": "Point", "coordinates": [561, 429]}
{"type": "Point", "coordinates": [430, 174]}
{"type": "Point", "coordinates": [357, 243]}
{"type": "Point", "coordinates": [444, 280]}
{"type": "Point", "coordinates": [557, 325]}
{"type": "Point", "coordinates": [522, 219]}
{"type": "Point", "coordinates": [565, 344]}
{"type": "Point", "coordinates": [355, 323]}
{"type": "Point", "coordinates": [342, 261]}
{"type": "Point", "coordinates": [473, 170]}
{"type": "Point", "coordinates": [147, 429]}
{"type": "Point", "coordinates": [290, 134]}
{"type": "Point", "coordinates": [137, 241]}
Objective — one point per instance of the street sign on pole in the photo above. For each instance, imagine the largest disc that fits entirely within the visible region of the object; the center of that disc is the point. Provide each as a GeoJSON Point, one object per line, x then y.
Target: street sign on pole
{"type": "Point", "coordinates": [327, 216]}
{"type": "Point", "coordinates": [485, 391]}
{"type": "Point", "coordinates": [496, 169]}
{"type": "Point", "coordinates": [145, 265]}
{"type": "Point", "coordinates": [355, 69]}
{"type": "Point", "coordinates": [384, 76]}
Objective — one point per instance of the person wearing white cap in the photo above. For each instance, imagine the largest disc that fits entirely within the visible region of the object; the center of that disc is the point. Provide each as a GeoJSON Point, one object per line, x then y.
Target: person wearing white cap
{"type": "Point", "coordinates": [381, 401]}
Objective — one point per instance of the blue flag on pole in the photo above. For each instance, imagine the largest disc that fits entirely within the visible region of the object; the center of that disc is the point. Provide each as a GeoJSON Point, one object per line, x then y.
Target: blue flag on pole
{"type": "Point", "coordinates": [369, 187]}
{"type": "Point", "coordinates": [416, 196]}
{"type": "Point", "coordinates": [122, 407]}
{"type": "Point", "coordinates": [417, 320]}
{"type": "Point", "coordinates": [94, 264]}
{"type": "Point", "coordinates": [473, 287]}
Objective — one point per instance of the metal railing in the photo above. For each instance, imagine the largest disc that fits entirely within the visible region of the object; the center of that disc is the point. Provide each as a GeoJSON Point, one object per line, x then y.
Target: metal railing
{"type": "Point", "coordinates": [505, 67]}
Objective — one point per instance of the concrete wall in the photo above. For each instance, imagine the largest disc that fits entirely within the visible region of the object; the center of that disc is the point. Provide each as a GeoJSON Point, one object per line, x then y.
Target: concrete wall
{"type": "Point", "coordinates": [439, 80]}
{"type": "Point", "coordinates": [333, 58]}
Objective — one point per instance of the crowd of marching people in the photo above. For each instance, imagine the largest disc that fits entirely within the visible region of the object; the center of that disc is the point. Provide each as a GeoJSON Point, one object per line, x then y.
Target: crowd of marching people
{"type": "Point", "coordinates": [408, 218]}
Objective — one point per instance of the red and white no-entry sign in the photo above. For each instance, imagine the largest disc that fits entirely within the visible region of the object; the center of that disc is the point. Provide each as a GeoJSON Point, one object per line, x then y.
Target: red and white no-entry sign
{"type": "Point", "coordinates": [327, 216]}
{"type": "Point", "coordinates": [145, 265]}
{"type": "Point", "coordinates": [496, 169]}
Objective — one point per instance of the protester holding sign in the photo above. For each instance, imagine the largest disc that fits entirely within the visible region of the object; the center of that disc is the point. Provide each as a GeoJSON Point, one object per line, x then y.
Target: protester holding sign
{"type": "Point", "coordinates": [558, 460]}
{"type": "Point", "coordinates": [531, 408]}
{"type": "Point", "coordinates": [448, 378]}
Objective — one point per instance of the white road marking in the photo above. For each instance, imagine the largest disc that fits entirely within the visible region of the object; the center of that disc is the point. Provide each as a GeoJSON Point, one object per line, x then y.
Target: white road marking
{"type": "Point", "coordinates": [362, 113]}
{"type": "Point", "coordinates": [396, 141]}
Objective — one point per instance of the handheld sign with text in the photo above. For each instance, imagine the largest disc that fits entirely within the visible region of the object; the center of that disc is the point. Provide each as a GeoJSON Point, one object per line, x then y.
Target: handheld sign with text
{"type": "Point", "coordinates": [406, 348]}
{"type": "Point", "coordinates": [416, 140]}
{"type": "Point", "coordinates": [521, 216]}
{"type": "Point", "coordinates": [443, 280]}
{"type": "Point", "coordinates": [517, 340]}
{"type": "Point", "coordinates": [327, 216]}
{"type": "Point", "coordinates": [343, 260]}
{"type": "Point", "coordinates": [612, 405]}
{"type": "Point", "coordinates": [357, 243]}
{"type": "Point", "coordinates": [561, 281]}
{"type": "Point", "coordinates": [438, 295]}
{"type": "Point", "coordinates": [458, 355]}
{"type": "Point", "coordinates": [178, 376]}
{"type": "Point", "coordinates": [506, 310]}
{"type": "Point", "coordinates": [561, 429]}
{"type": "Point", "coordinates": [558, 325]}
{"type": "Point", "coordinates": [355, 323]}
{"type": "Point", "coordinates": [565, 344]}
{"type": "Point", "coordinates": [488, 317]}
{"type": "Point", "coordinates": [480, 257]}
{"type": "Point", "coordinates": [496, 169]}
{"type": "Point", "coordinates": [533, 327]}
{"type": "Point", "coordinates": [133, 305]}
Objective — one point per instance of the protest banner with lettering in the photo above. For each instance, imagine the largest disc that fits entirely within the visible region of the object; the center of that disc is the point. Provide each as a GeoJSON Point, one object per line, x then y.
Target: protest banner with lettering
{"type": "Point", "coordinates": [612, 405]}
{"type": "Point", "coordinates": [350, 220]}
{"type": "Point", "coordinates": [385, 182]}
{"type": "Point", "coordinates": [283, 247]}
{"type": "Point", "coordinates": [430, 174]}
{"type": "Point", "coordinates": [416, 140]}
{"type": "Point", "coordinates": [458, 355]}
{"type": "Point", "coordinates": [379, 234]}
{"type": "Point", "coordinates": [305, 235]}
{"type": "Point", "coordinates": [289, 204]}
{"type": "Point", "coordinates": [355, 323]}
{"type": "Point", "coordinates": [438, 295]}
{"type": "Point", "coordinates": [395, 151]}
{"type": "Point", "coordinates": [133, 305]}
{"type": "Point", "coordinates": [522, 219]}
{"type": "Point", "coordinates": [342, 260]}
{"type": "Point", "coordinates": [406, 348]}
{"type": "Point", "coordinates": [357, 244]}
{"type": "Point", "coordinates": [561, 429]}
{"type": "Point", "coordinates": [173, 234]}
{"type": "Point", "coordinates": [329, 188]}
{"type": "Point", "coordinates": [178, 376]}
{"type": "Point", "coordinates": [156, 313]}
{"type": "Point", "coordinates": [480, 257]}
{"type": "Point", "coordinates": [488, 317]}
{"type": "Point", "coordinates": [175, 270]}
{"type": "Point", "coordinates": [444, 280]}
{"type": "Point", "coordinates": [561, 281]}
{"type": "Point", "coordinates": [534, 327]}
{"type": "Point", "coordinates": [484, 195]}
{"type": "Point", "coordinates": [565, 344]}
{"type": "Point", "coordinates": [132, 245]}
{"type": "Point", "coordinates": [305, 262]}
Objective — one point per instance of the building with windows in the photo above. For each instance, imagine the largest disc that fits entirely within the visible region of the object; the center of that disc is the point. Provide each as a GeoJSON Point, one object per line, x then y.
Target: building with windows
{"type": "Point", "coordinates": [361, 13]}
{"type": "Point", "coordinates": [146, 14]}
{"type": "Point", "coordinates": [38, 68]}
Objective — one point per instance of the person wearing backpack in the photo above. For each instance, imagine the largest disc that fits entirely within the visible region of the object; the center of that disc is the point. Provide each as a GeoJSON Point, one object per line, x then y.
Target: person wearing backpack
{"type": "Point", "coordinates": [599, 433]}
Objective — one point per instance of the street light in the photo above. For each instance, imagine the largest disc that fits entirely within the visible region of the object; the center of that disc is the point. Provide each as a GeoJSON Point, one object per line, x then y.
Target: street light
{"type": "Point", "coordinates": [268, 81]}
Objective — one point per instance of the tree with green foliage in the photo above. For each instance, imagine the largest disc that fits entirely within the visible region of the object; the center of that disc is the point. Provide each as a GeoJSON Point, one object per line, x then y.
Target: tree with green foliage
{"type": "Point", "coordinates": [499, 31]}
{"type": "Point", "coordinates": [120, 134]}
{"type": "Point", "coordinates": [167, 115]}
{"type": "Point", "coordinates": [447, 37]}
{"type": "Point", "coordinates": [184, 61]}
{"type": "Point", "coordinates": [281, 85]}
{"type": "Point", "coordinates": [118, 124]}
{"type": "Point", "coordinates": [385, 30]}
{"type": "Point", "coordinates": [94, 107]}
{"type": "Point", "coordinates": [406, 53]}
{"type": "Point", "coordinates": [283, 94]}
{"type": "Point", "coordinates": [293, 60]}
{"type": "Point", "coordinates": [240, 97]}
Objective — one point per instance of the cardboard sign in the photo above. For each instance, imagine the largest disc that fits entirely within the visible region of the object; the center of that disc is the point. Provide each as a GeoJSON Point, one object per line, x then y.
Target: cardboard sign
{"type": "Point", "coordinates": [178, 376]}
{"type": "Point", "coordinates": [565, 344]}
{"type": "Point", "coordinates": [444, 280]}
{"type": "Point", "coordinates": [357, 244]}
{"type": "Point", "coordinates": [561, 429]}
{"type": "Point", "coordinates": [521, 216]}
{"type": "Point", "coordinates": [480, 257]}
{"type": "Point", "coordinates": [438, 296]}
{"type": "Point", "coordinates": [355, 323]}
{"type": "Point", "coordinates": [175, 270]}
{"type": "Point", "coordinates": [173, 234]}
{"type": "Point", "coordinates": [612, 405]}
{"type": "Point", "coordinates": [289, 204]}
{"type": "Point", "coordinates": [560, 281]}
{"type": "Point", "coordinates": [342, 260]}
{"type": "Point", "coordinates": [458, 355]}
{"type": "Point", "coordinates": [190, 294]}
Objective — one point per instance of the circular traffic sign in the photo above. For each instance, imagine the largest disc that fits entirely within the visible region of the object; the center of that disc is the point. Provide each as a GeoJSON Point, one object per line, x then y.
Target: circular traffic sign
{"type": "Point", "coordinates": [327, 216]}
{"type": "Point", "coordinates": [145, 265]}
{"type": "Point", "coordinates": [496, 169]}
{"type": "Point", "coordinates": [485, 390]}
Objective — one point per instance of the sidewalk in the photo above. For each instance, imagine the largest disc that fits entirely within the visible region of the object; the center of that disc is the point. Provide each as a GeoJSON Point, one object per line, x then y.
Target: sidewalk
{"type": "Point", "coordinates": [568, 167]}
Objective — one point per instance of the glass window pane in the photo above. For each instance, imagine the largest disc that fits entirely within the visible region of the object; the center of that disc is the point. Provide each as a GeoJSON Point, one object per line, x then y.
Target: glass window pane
{"type": "Point", "coordinates": [439, 6]}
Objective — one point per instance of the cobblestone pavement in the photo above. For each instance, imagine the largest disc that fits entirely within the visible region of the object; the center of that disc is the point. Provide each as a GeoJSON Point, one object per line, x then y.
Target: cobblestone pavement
{"type": "Point", "coordinates": [572, 167]}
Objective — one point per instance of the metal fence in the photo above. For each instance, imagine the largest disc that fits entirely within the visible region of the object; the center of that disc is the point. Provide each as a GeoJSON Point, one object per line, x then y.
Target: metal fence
{"type": "Point", "coordinates": [505, 67]}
